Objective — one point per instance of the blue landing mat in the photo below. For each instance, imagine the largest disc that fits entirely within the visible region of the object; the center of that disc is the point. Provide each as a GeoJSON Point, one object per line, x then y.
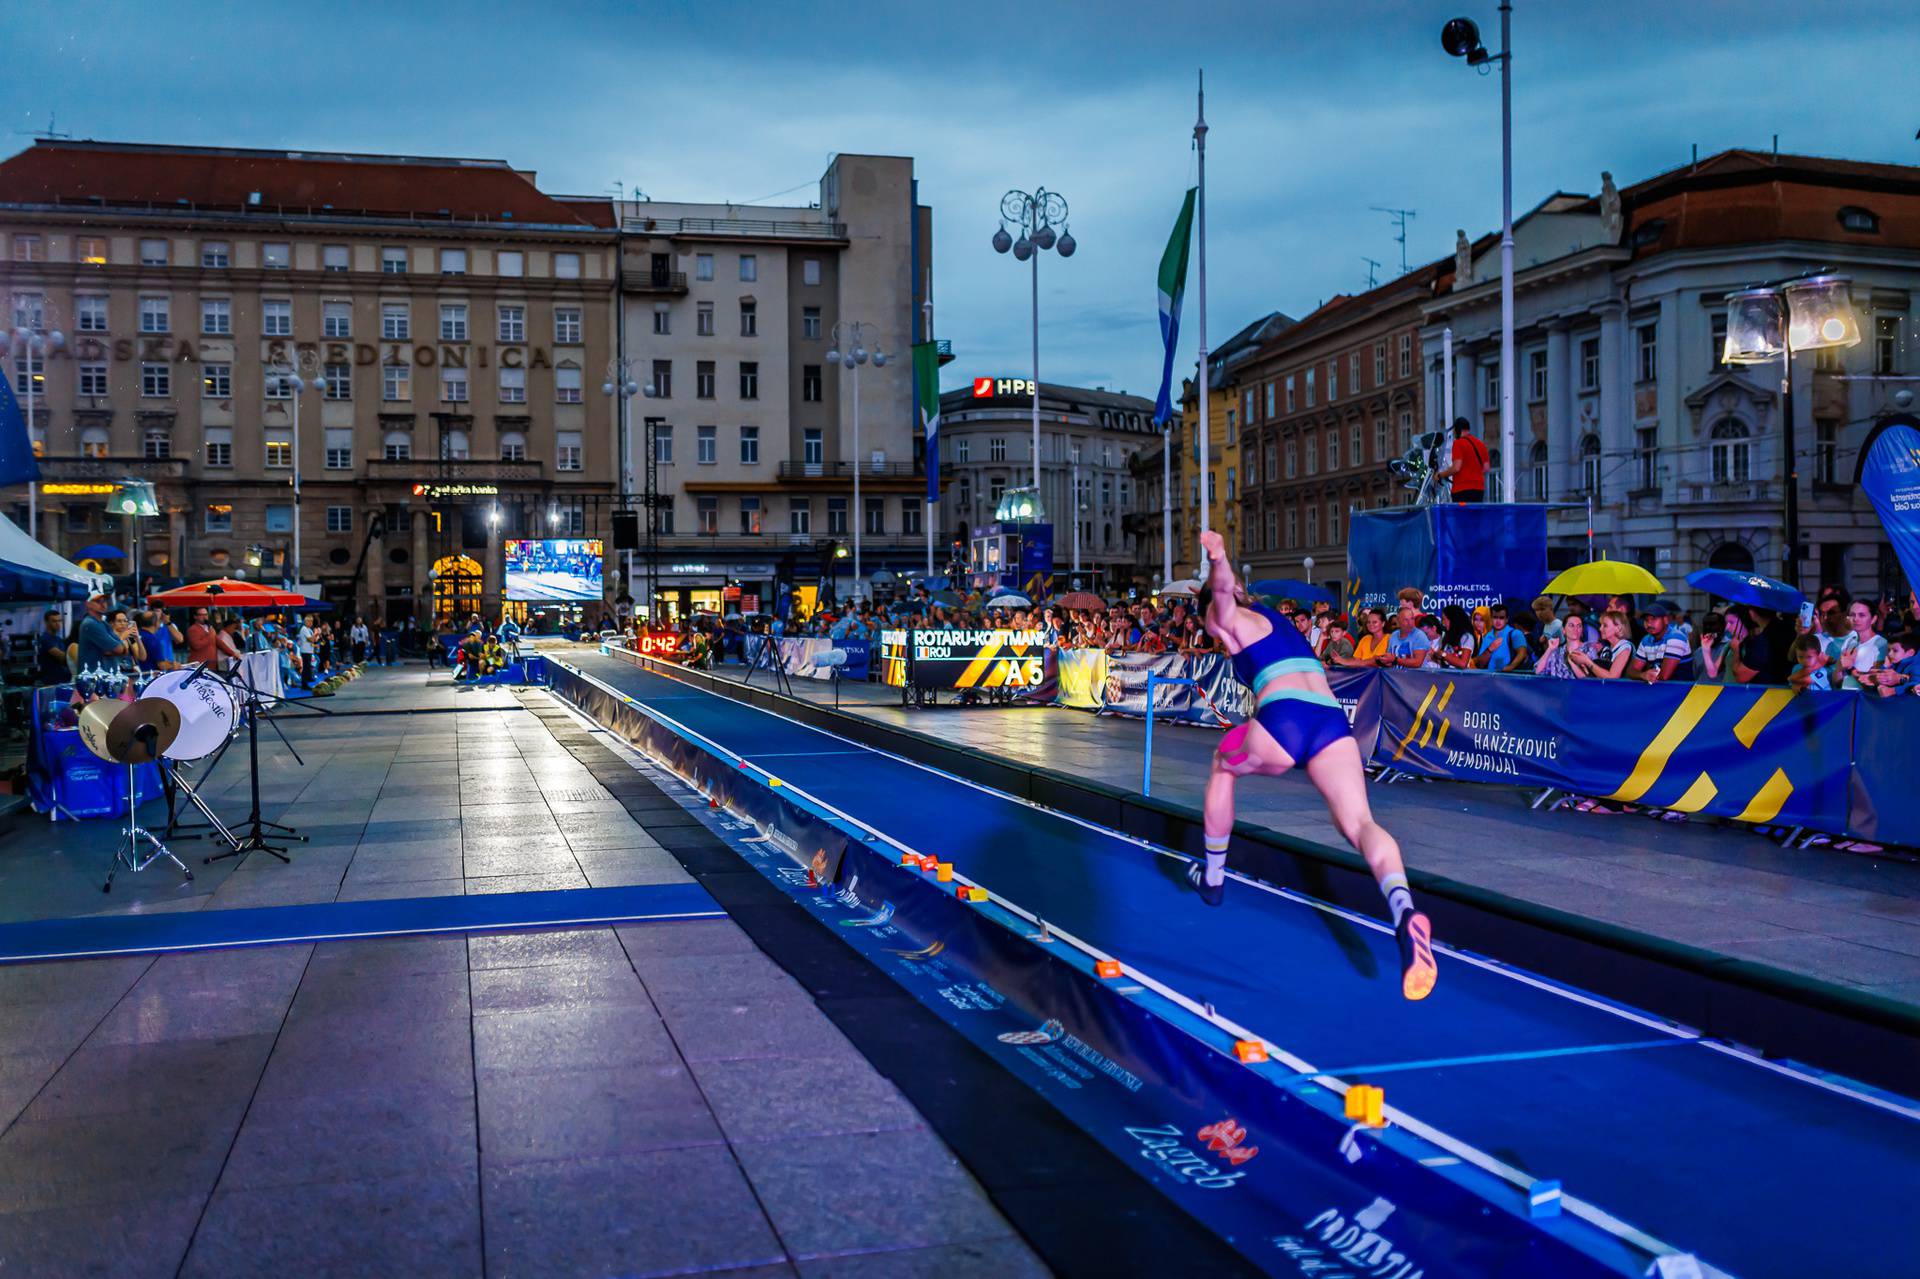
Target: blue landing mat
{"type": "Point", "coordinates": [97, 935]}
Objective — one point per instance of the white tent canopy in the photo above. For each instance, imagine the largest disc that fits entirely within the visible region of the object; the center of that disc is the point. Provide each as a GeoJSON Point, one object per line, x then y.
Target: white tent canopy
{"type": "Point", "coordinates": [29, 571]}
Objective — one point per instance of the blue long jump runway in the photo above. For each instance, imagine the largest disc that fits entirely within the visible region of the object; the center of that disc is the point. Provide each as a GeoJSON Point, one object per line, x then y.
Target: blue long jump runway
{"type": "Point", "coordinates": [1757, 1168]}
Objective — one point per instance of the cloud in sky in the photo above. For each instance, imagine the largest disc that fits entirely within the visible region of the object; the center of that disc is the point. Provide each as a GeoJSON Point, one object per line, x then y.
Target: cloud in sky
{"type": "Point", "coordinates": [1317, 112]}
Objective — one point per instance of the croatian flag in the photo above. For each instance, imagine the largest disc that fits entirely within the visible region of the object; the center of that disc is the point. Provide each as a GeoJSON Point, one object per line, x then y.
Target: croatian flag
{"type": "Point", "coordinates": [1173, 286]}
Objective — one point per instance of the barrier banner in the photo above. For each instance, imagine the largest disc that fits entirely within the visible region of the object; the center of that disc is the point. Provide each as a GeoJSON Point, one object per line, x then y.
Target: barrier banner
{"type": "Point", "coordinates": [1126, 689]}
{"type": "Point", "coordinates": [1466, 555]}
{"type": "Point", "coordinates": [797, 654]}
{"type": "Point", "coordinates": [1083, 678]}
{"type": "Point", "coordinates": [1387, 550]}
{"type": "Point", "coordinates": [1753, 754]}
{"type": "Point", "coordinates": [1885, 802]}
{"type": "Point", "coordinates": [1358, 691]}
{"type": "Point", "coordinates": [1047, 691]}
{"type": "Point", "coordinates": [1889, 473]}
{"type": "Point", "coordinates": [1222, 687]}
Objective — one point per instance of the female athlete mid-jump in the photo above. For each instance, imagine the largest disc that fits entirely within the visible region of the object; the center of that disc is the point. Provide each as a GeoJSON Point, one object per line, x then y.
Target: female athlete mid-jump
{"type": "Point", "coordinates": [1296, 721]}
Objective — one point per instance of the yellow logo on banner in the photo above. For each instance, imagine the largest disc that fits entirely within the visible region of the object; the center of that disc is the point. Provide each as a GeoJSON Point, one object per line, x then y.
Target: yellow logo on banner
{"type": "Point", "coordinates": [1424, 726]}
{"type": "Point", "coordinates": [1766, 802]}
{"type": "Point", "coordinates": [998, 665]}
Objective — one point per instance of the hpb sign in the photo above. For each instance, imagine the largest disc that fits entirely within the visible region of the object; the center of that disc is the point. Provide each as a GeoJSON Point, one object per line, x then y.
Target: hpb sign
{"type": "Point", "coordinates": [987, 388]}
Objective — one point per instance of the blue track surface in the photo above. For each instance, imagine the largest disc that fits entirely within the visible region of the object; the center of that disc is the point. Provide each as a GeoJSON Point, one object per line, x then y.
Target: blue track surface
{"type": "Point", "coordinates": [1756, 1170]}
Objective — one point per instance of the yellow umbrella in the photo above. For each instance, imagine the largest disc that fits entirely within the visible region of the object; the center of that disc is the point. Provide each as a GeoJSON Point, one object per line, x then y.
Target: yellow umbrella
{"type": "Point", "coordinates": [1605, 577]}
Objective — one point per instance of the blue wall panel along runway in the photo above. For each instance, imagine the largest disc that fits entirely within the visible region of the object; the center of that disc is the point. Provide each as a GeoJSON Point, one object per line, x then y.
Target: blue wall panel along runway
{"type": "Point", "coordinates": [1757, 1171]}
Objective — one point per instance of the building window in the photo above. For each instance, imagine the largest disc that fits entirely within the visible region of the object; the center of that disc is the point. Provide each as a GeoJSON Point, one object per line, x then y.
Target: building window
{"type": "Point", "coordinates": [1648, 366]}
{"type": "Point", "coordinates": [567, 450]}
{"type": "Point", "coordinates": [1826, 451]}
{"type": "Point", "coordinates": [29, 248]}
{"type": "Point", "coordinates": [749, 319]}
{"type": "Point", "coordinates": [1233, 486]}
{"type": "Point", "coordinates": [1270, 399]}
{"type": "Point", "coordinates": [810, 271]}
{"type": "Point", "coordinates": [1246, 407]}
{"type": "Point", "coordinates": [707, 514]}
{"type": "Point", "coordinates": [876, 515]}
{"type": "Point", "coordinates": [837, 515]}
{"type": "Point", "coordinates": [156, 380]}
{"type": "Point", "coordinates": [566, 266]}
{"type": "Point", "coordinates": [703, 320]}
{"type": "Point", "coordinates": [453, 321]}
{"type": "Point", "coordinates": [663, 516]}
{"type": "Point", "coordinates": [1293, 527]}
{"type": "Point", "coordinates": [1312, 450]}
{"type": "Point", "coordinates": [453, 445]}
{"type": "Point", "coordinates": [216, 381]}
{"type": "Point", "coordinates": [706, 445]}
{"type": "Point", "coordinates": [339, 381]}
{"type": "Point", "coordinates": [219, 449]}
{"type": "Point", "coordinates": [1731, 457]}
{"type": "Point", "coordinates": [662, 379]}
{"type": "Point", "coordinates": [276, 257]}
{"type": "Point", "coordinates": [396, 322]}
{"type": "Point", "coordinates": [1716, 341]}
{"type": "Point", "coordinates": [1310, 395]}
{"type": "Point", "coordinates": [810, 322]}
{"type": "Point", "coordinates": [800, 515]}
{"type": "Point", "coordinates": [90, 250]}
{"type": "Point", "coordinates": [1886, 343]}
{"type": "Point", "coordinates": [1536, 376]}
{"type": "Point", "coordinates": [336, 319]}
{"type": "Point", "coordinates": [453, 261]}
{"type": "Point", "coordinates": [1293, 458]}
{"type": "Point", "coordinates": [398, 447]}
{"type": "Point", "coordinates": [339, 448]}
{"type": "Point", "coordinates": [276, 318]}
{"type": "Point", "coordinates": [1646, 456]}
{"type": "Point", "coordinates": [339, 519]}
{"type": "Point", "coordinates": [810, 383]}
{"type": "Point", "coordinates": [156, 315]}
{"type": "Point", "coordinates": [662, 321]}
{"type": "Point", "coordinates": [333, 257]}
{"type": "Point", "coordinates": [750, 517]}
{"type": "Point", "coordinates": [278, 454]}
{"type": "Point", "coordinates": [813, 447]}
{"type": "Point", "coordinates": [216, 317]}
{"type": "Point", "coordinates": [962, 447]}
{"type": "Point", "coordinates": [215, 255]}
{"type": "Point", "coordinates": [1353, 372]}
{"type": "Point", "coordinates": [1333, 449]}
{"type": "Point", "coordinates": [1406, 355]}
{"type": "Point", "coordinates": [663, 444]}
{"type": "Point", "coordinates": [1589, 364]}
{"type": "Point", "coordinates": [703, 266]}
{"type": "Point", "coordinates": [1356, 446]}
{"type": "Point", "coordinates": [1492, 378]}
{"type": "Point", "coordinates": [1380, 438]}
{"type": "Point", "coordinates": [29, 310]}
{"type": "Point", "coordinates": [566, 325]}
{"type": "Point", "coordinates": [966, 493]}
{"type": "Point", "coordinates": [1289, 392]}
{"type": "Point", "coordinates": [997, 449]}
{"type": "Point", "coordinates": [1333, 522]}
{"type": "Point", "coordinates": [510, 262]}
{"type": "Point", "coordinates": [396, 383]}
{"type": "Point", "coordinates": [703, 380]}
{"type": "Point", "coordinates": [749, 380]}
{"type": "Point", "coordinates": [277, 386]}
{"type": "Point", "coordinates": [393, 261]}
{"type": "Point", "coordinates": [749, 268]}
{"type": "Point", "coordinates": [513, 323]}
{"type": "Point", "coordinates": [513, 386]}
{"type": "Point", "coordinates": [279, 517]}
{"type": "Point", "coordinates": [93, 379]}
{"type": "Point", "coordinates": [93, 442]}
{"type": "Point", "coordinates": [1333, 379]}
{"type": "Point", "coordinates": [1589, 464]}
{"type": "Point", "coordinates": [153, 253]}
{"type": "Point", "coordinates": [1272, 521]}
{"type": "Point", "coordinates": [1313, 525]}
{"type": "Point", "coordinates": [513, 446]}
{"type": "Point", "coordinates": [910, 516]}
{"type": "Point", "coordinates": [1537, 471]}
{"type": "Point", "coordinates": [566, 386]}
{"type": "Point", "coordinates": [90, 314]}
{"type": "Point", "coordinates": [218, 517]}
{"type": "Point", "coordinates": [749, 446]}
{"type": "Point", "coordinates": [453, 386]}
{"type": "Point", "coordinates": [1379, 364]}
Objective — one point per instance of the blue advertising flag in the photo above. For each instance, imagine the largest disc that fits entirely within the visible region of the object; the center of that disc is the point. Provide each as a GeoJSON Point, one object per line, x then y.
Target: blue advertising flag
{"type": "Point", "coordinates": [1172, 286]}
{"type": "Point", "coordinates": [1890, 473]}
{"type": "Point", "coordinates": [17, 463]}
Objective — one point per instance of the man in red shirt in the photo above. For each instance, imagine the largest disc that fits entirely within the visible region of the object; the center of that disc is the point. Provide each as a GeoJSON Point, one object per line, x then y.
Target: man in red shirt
{"type": "Point", "coordinates": [1468, 469]}
{"type": "Point", "coordinates": [202, 640]}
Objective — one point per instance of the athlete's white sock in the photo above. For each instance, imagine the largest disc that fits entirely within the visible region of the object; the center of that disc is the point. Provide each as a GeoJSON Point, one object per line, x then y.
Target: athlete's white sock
{"type": "Point", "coordinates": [1216, 873]}
{"type": "Point", "coordinates": [1399, 898]}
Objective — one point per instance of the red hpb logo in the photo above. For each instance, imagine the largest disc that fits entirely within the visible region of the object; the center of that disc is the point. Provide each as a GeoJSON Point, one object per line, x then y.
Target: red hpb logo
{"type": "Point", "coordinates": [1227, 1139]}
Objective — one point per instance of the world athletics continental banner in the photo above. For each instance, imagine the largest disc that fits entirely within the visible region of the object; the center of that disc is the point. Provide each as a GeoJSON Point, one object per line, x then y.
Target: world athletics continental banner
{"type": "Point", "coordinates": [1753, 754]}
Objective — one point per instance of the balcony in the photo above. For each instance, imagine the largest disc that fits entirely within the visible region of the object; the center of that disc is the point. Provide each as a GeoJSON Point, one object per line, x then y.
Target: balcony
{"type": "Point", "coordinates": [834, 473]}
{"type": "Point", "coordinates": [803, 544]}
{"type": "Point", "coordinates": [458, 471]}
{"type": "Point", "coordinates": [57, 468]}
{"type": "Point", "coordinates": [656, 282]}
{"type": "Point", "coordinates": [943, 347]}
{"type": "Point", "coordinates": [1724, 493]}
{"type": "Point", "coordinates": [731, 228]}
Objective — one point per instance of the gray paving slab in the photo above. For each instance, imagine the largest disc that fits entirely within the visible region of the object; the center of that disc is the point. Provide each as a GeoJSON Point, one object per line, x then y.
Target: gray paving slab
{"type": "Point", "coordinates": [427, 1225]}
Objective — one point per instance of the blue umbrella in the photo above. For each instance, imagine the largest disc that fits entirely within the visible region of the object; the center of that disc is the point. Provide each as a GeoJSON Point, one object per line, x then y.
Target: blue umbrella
{"type": "Point", "coordinates": [100, 551]}
{"type": "Point", "coordinates": [1747, 588]}
{"type": "Point", "coordinates": [1294, 589]}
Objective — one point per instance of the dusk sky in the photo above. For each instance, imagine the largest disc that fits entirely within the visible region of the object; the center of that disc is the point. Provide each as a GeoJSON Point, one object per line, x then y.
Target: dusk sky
{"type": "Point", "coordinates": [1318, 111]}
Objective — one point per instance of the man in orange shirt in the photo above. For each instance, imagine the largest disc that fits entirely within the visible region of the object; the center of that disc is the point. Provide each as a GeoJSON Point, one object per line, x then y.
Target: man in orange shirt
{"type": "Point", "coordinates": [1468, 469]}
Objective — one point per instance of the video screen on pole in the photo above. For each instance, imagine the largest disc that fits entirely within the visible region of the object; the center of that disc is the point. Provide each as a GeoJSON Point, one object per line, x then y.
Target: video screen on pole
{"type": "Point", "coordinates": [554, 570]}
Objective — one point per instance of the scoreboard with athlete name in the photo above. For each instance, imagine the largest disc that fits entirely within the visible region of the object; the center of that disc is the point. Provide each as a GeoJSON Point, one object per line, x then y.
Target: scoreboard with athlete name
{"type": "Point", "coordinates": [957, 659]}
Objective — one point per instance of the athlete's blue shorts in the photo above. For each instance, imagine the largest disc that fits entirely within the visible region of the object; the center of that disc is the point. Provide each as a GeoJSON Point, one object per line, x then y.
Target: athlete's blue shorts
{"type": "Point", "coordinates": [1301, 723]}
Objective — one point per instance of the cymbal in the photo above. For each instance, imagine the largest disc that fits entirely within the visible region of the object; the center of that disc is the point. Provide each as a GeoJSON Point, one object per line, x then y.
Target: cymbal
{"type": "Point", "coordinates": [112, 729]}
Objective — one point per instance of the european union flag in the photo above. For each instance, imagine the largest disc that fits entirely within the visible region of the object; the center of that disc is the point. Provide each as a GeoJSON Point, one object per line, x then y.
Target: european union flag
{"type": "Point", "coordinates": [17, 463]}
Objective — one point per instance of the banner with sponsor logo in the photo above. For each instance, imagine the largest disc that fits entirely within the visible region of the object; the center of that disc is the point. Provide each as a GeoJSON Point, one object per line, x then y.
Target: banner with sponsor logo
{"type": "Point", "coordinates": [799, 654]}
{"type": "Point", "coordinates": [1885, 803]}
{"type": "Point", "coordinates": [1083, 678]}
{"type": "Point", "coordinates": [1889, 474]}
{"type": "Point", "coordinates": [1126, 689]}
{"type": "Point", "coordinates": [1753, 754]}
{"type": "Point", "coordinates": [1358, 691]}
{"type": "Point", "coordinates": [1466, 555]}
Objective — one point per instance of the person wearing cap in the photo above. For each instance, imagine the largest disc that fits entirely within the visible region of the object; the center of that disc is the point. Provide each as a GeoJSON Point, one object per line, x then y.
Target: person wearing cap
{"type": "Point", "coordinates": [1662, 656]}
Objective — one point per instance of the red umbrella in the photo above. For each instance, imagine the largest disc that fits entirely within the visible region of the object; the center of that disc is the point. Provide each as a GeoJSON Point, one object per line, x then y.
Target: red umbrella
{"type": "Point", "coordinates": [227, 592]}
{"type": "Point", "coordinates": [1082, 601]}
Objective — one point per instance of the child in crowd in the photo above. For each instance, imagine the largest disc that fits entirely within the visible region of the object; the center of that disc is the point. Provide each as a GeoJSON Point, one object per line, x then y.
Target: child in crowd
{"type": "Point", "coordinates": [1810, 665]}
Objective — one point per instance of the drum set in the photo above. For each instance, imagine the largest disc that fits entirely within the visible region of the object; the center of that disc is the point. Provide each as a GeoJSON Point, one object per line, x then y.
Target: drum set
{"type": "Point", "coordinates": [175, 718]}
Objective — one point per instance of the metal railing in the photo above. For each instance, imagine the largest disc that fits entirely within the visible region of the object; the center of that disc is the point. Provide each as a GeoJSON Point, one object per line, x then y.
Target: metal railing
{"type": "Point", "coordinates": [80, 467]}
{"type": "Point", "coordinates": [426, 467]}
{"type": "Point", "coordinates": [657, 282]}
{"type": "Point", "coordinates": [844, 470]}
{"type": "Point", "coordinates": [812, 543]}
{"type": "Point", "coordinates": [1723, 492]}
{"type": "Point", "coordinates": [735, 227]}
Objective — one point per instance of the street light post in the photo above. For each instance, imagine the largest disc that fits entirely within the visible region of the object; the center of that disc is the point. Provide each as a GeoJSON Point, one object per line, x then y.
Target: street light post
{"type": "Point", "coordinates": [855, 334]}
{"type": "Point", "coordinates": [1034, 215]}
{"type": "Point", "coordinates": [34, 345]}
{"type": "Point", "coordinates": [290, 376]}
{"type": "Point", "coordinates": [620, 381]}
{"type": "Point", "coordinates": [1461, 38]}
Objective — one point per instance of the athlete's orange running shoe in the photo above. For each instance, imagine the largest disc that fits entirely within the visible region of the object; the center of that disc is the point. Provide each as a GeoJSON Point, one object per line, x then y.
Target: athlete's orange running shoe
{"type": "Point", "coordinates": [1418, 972]}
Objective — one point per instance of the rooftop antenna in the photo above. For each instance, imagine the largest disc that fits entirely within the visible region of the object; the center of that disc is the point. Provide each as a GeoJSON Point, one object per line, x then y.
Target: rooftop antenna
{"type": "Point", "coordinates": [50, 132]}
{"type": "Point", "coordinates": [1399, 217]}
{"type": "Point", "coordinates": [1373, 267]}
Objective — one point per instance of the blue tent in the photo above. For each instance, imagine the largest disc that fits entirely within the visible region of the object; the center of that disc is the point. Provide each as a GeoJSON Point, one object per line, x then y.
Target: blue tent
{"type": "Point", "coordinates": [29, 571]}
{"type": "Point", "coordinates": [1294, 589]}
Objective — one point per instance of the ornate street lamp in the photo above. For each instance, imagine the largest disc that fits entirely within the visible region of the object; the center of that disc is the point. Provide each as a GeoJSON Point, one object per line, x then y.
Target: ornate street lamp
{"type": "Point", "coordinates": [1034, 215]}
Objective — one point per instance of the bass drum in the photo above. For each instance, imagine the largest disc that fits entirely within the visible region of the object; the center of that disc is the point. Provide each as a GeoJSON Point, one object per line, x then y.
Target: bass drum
{"type": "Point", "coordinates": [209, 712]}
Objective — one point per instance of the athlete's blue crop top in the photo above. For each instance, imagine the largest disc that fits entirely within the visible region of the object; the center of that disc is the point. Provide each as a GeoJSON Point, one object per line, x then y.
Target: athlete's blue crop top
{"type": "Point", "coordinates": [1282, 652]}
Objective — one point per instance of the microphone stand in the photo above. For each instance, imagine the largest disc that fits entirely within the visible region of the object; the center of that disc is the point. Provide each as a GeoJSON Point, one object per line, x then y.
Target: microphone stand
{"type": "Point", "coordinates": [253, 829]}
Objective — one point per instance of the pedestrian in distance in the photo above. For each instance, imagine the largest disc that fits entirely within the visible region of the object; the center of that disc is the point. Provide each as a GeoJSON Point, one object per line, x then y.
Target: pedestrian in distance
{"type": "Point", "coordinates": [1467, 465]}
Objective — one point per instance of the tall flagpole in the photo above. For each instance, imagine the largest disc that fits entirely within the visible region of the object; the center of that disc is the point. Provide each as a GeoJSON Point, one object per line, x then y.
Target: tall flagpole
{"type": "Point", "coordinates": [1166, 505]}
{"type": "Point", "coordinates": [1200, 144]}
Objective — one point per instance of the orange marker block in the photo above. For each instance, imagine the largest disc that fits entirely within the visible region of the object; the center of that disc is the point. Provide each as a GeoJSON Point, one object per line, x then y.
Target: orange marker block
{"type": "Point", "coordinates": [928, 862]}
{"type": "Point", "coordinates": [1367, 1104]}
{"type": "Point", "coordinates": [910, 859]}
{"type": "Point", "coordinates": [943, 871]}
{"type": "Point", "coordinates": [1250, 1051]}
{"type": "Point", "coordinates": [1108, 968]}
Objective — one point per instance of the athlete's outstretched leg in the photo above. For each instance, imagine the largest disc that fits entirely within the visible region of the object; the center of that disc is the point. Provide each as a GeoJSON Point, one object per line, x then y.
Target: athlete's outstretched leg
{"type": "Point", "coordinates": [1342, 781]}
{"type": "Point", "coordinates": [1210, 880]}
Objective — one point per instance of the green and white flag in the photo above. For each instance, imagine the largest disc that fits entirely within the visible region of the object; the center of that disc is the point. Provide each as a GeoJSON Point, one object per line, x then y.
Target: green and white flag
{"type": "Point", "coordinates": [1173, 287]}
{"type": "Point", "coordinates": [926, 389]}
